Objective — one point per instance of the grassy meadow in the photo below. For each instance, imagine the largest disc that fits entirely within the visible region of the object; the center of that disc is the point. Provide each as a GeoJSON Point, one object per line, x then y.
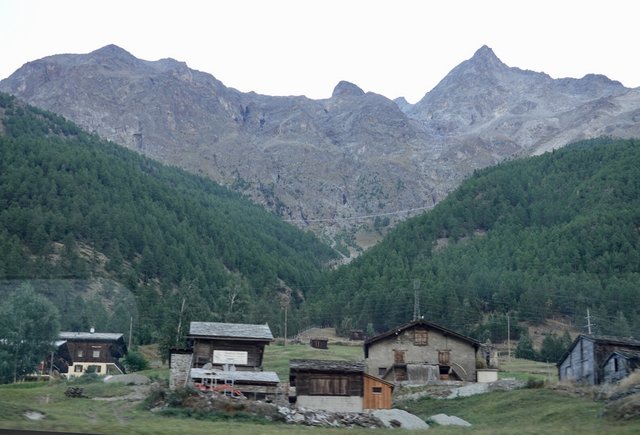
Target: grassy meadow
{"type": "Point", "coordinates": [106, 411]}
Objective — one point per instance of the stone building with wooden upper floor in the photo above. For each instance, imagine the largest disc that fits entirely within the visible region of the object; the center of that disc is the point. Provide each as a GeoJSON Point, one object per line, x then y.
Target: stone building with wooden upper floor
{"type": "Point", "coordinates": [225, 357]}
{"type": "Point", "coordinates": [239, 344]}
{"type": "Point", "coordinates": [421, 351]}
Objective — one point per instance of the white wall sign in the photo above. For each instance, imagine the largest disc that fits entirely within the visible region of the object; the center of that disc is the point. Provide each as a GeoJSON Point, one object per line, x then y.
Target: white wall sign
{"type": "Point", "coordinates": [230, 357]}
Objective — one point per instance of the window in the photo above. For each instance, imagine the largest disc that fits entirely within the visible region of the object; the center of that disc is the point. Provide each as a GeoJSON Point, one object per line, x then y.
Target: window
{"type": "Point", "coordinates": [382, 371]}
{"type": "Point", "coordinates": [377, 390]}
{"type": "Point", "coordinates": [77, 368]}
{"type": "Point", "coordinates": [96, 353]}
{"type": "Point", "coordinates": [443, 357]}
{"type": "Point", "coordinates": [80, 353]}
{"type": "Point", "coordinates": [329, 386]}
{"type": "Point", "coordinates": [420, 337]}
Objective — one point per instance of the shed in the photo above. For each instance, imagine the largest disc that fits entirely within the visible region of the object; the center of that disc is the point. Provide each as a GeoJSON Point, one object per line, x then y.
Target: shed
{"type": "Point", "coordinates": [340, 386]}
{"type": "Point", "coordinates": [620, 364]}
{"type": "Point", "coordinates": [585, 359]}
{"type": "Point", "coordinates": [319, 343]}
{"type": "Point", "coordinates": [356, 335]}
{"type": "Point", "coordinates": [421, 351]}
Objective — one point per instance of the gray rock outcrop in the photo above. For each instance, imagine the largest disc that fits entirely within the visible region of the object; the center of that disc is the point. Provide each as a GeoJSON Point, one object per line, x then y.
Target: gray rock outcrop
{"type": "Point", "coordinates": [333, 164]}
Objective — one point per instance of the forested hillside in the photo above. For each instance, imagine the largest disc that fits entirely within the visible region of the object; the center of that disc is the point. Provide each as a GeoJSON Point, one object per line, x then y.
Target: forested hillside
{"type": "Point", "coordinates": [549, 236]}
{"type": "Point", "coordinates": [108, 234]}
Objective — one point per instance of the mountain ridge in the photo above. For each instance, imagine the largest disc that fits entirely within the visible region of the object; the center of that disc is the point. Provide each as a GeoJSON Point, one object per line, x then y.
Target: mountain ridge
{"type": "Point", "coordinates": [323, 164]}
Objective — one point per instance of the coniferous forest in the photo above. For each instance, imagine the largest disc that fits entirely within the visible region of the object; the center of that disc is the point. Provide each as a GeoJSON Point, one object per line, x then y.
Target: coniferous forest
{"type": "Point", "coordinates": [114, 238]}
{"type": "Point", "coordinates": [118, 241]}
{"type": "Point", "coordinates": [542, 237]}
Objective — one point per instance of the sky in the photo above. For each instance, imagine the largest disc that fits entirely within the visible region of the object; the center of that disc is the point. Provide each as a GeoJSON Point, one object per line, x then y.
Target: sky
{"type": "Point", "coordinates": [305, 47]}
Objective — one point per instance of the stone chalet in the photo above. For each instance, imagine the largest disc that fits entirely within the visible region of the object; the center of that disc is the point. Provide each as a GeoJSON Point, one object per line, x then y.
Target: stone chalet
{"type": "Point", "coordinates": [225, 357]}
{"type": "Point", "coordinates": [421, 351]}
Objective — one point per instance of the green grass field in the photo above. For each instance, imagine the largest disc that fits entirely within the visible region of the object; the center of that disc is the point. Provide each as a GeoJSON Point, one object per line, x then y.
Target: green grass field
{"type": "Point", "coordinates": [524, 369]}
{"type": "Point", "coordinates": [526, 411]}
{"type": "Point", "coordinates": [276, 357]}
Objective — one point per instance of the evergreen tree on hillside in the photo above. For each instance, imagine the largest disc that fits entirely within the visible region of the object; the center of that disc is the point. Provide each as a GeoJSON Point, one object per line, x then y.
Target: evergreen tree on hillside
{"type": "Point", "coordinates": [28, 326]}
{"type": "Point", "coordinates": [77, 208]}
{"type": "Point", "coordinates": [547, 236]}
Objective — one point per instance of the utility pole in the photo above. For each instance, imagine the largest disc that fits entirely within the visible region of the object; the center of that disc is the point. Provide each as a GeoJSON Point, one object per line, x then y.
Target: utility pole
{"type": "Point", "coordinates": [508, 338]}
{"type": "Point", "coordinates": [416, 299]}
{"type": "Point", "coordinates": [180, 321]}
{"type": "Point", "coordinates": [285, 324]}
{"type": "Point", "coordinates": [285, 300]}
{"type": "Point", "coordinates": [51, 368]}
{"type": "Point", "coordinates": [130, 332]}
{"type": "Point", "coordinates": [589, 325]}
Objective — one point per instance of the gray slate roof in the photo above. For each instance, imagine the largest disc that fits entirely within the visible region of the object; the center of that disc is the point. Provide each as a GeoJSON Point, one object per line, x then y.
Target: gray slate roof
{"type": "Point", "coordinates": [230, 330]}
{"type": "Point", "coordinates": [319, 365]}
{"type": "Point", "coordinates": [236, 376]}
{"type": "Point", "coordinates": [99, 336]}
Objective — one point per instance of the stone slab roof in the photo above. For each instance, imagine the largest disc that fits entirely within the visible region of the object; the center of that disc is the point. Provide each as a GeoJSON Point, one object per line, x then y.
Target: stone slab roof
{"type": "Point", "coordinates": [98, 336]}
{"type": "Point", "coordinates": [230, 330]}
{"type": "Point", "coordinates": [318, 365]}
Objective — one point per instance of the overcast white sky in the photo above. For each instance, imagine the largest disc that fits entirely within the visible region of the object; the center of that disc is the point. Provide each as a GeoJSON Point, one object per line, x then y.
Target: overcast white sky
{"type": "Point", "coordinates": [305, 47]}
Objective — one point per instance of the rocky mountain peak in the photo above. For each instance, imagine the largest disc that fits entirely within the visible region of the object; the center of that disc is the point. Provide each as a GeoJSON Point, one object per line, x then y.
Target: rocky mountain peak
{"type": "Point", "coordinates": [112, 55]}
{"type": "Point", "coordinates": [328, 165]}
{"type": "Point", "coordinates": [484, 61]}
{"type": "Point", "coordinates": [345, 88]}
{"type": "Point", "coordinates": [112, 51]}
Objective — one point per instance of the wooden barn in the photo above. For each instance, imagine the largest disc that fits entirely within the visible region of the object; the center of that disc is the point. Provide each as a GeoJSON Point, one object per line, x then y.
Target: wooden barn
{"type": "Point", "coordinates": [620, 364]}
{"type": "Point", "coordinates": [585, 360]}
{"type": "Point", "coordinates": [419, 352]}
{"type": "Point", "coordinates": [339, 386]}
{"type": "Point", "coordinates": [79, 352]}
{"type": "Point", "coordinates": [238, 344]}
{"type": "Point", "coordinates": [319, 343]}
{"type": "Point", "coordinates": [225, 358]}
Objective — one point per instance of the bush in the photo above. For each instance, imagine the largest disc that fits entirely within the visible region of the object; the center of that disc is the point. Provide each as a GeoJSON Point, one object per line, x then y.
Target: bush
{"type": "Point", "coordinates": [535, 383]}
{"type": "Point", "coordinates": [88, 377]}
{"type": "Point", "coordinates": [178, 397]}
{"type": "Point", "coordinates": [134, 362]}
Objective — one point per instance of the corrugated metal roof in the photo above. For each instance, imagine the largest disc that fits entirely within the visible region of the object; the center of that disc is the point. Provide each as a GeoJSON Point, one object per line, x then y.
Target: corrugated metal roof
{"type": "Point", "coordinates": [107, 336]}
{"type": "Point", "coordinates": [320, 365]}
{"type": "Point", "coordinates": [230, 330]}
{"type": "Point", "coordinates": [236, 376]}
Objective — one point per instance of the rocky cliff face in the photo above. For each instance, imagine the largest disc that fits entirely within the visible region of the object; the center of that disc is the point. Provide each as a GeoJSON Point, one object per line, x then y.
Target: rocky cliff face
{"type": "Point", "coordinates": [325, 164]}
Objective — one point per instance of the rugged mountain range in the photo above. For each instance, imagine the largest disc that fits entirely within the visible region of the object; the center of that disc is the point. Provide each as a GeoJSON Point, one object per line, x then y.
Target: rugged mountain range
{"type": "Point", "coordinates": [325, 164]}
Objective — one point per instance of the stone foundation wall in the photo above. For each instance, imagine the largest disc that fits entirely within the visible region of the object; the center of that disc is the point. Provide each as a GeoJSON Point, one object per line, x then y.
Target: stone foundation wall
{"type": "Point", "coordinates": [180, 368]}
